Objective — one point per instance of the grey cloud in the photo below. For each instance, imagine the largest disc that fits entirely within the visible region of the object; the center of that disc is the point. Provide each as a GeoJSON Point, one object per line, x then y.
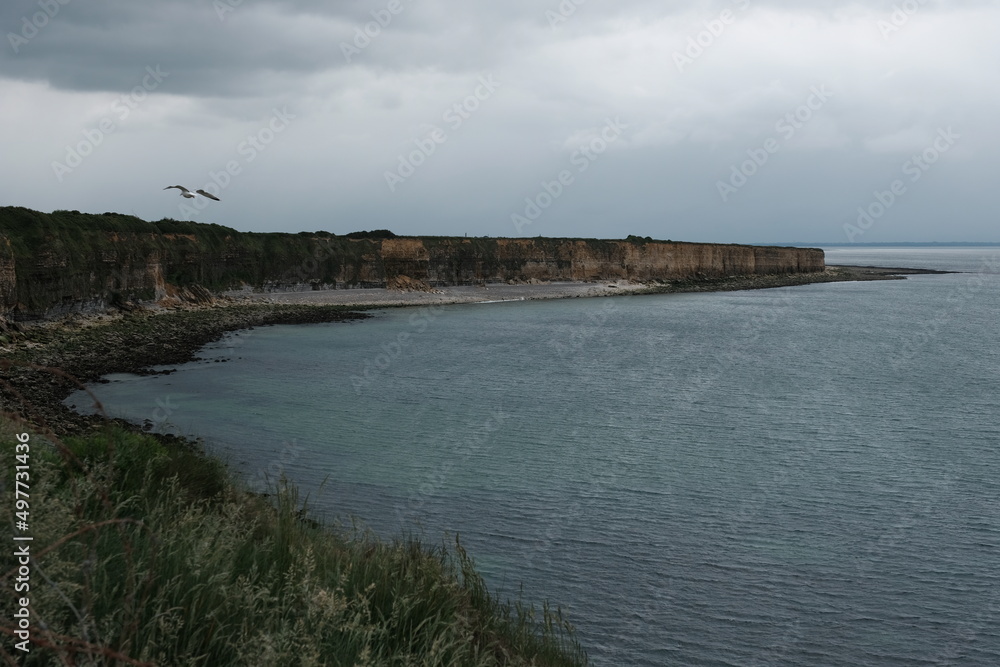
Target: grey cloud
{"type": "Point", "coordinates": [103, 48]}
{"type": "Point", "coordinates": [353, 120]}
{"type": "Point", "coordinates": [98, 46]}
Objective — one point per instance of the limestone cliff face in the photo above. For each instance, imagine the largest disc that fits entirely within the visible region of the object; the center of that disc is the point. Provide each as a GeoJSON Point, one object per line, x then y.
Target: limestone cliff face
{"type": "Point", "coordinates": [8, 275]}
{"type": "Point", "coordinates": [68, 261]}
{"type": "Point", "coordinates": [467, 261]}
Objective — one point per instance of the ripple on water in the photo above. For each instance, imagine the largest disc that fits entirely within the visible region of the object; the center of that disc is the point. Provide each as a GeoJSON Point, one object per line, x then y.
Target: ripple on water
{"type": "Point", "coordinates": [719, 479]}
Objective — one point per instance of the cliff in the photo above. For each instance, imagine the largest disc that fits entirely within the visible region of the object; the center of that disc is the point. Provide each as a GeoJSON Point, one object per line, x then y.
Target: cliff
{"type": "Point", "coordinates": [67, 261]}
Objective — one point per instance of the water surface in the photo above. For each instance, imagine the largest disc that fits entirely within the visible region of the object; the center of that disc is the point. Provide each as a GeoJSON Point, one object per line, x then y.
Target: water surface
{"type": "Point", "coordinates": [795, 476]}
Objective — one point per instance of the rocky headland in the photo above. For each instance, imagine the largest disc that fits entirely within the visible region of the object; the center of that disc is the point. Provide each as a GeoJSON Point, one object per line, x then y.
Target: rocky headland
{"type": "Point", "coordinates": [66, 261]}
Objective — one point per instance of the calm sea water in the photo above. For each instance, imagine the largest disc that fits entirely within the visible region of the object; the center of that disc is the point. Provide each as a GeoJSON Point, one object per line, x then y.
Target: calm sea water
{"type": "Point", "coordinates": [796, 476]}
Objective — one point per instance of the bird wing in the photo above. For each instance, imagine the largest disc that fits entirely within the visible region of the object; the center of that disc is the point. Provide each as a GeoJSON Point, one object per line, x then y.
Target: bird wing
{"type": "Point", "coordinates": [179, 187]}
{"type": "Point", "coordinates": [205, 194]}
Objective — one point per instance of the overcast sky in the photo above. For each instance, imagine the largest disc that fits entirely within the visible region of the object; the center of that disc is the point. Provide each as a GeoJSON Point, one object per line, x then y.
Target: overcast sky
{"type": "Point", "coordinates": [730, 121]}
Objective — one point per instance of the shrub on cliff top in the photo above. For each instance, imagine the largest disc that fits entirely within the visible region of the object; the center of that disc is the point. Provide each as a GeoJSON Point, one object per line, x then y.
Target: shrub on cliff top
{"type": "Point", "coordinates": [374, 234]}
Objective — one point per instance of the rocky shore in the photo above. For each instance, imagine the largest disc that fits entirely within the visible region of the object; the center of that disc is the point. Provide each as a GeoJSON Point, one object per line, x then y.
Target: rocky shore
{"type": "Point", "coordinates": [523, 291]}
{"type": "Point", "coordinates": [832, 274]}
{"type": "Point", "coordinates": [42, 363]}
{"type": "Point", "coordinates": [131, 528]}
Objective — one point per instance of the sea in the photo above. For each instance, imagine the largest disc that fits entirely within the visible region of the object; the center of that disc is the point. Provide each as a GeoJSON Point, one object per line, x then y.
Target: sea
{"type": "Point", "coordinates": [795, 476]}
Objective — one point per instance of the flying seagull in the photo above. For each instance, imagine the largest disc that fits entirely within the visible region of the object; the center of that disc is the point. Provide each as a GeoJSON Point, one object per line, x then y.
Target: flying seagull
{"type": "Point", "coordinates": [187, 193]}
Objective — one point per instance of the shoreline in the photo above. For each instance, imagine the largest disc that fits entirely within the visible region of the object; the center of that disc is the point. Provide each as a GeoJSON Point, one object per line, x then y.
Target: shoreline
{"type": "Point", "coordinates": [48, 360]}
{"type": "Point", "coordinates": [500, 292]}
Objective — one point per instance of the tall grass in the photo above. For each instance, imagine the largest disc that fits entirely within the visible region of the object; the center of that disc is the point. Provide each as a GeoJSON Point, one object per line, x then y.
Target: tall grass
{"type": "Point", "coordinates": [151, 554]}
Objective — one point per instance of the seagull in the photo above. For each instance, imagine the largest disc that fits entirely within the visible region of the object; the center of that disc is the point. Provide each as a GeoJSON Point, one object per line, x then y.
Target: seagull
{"type": "Point", "coordinates": [187, 193]}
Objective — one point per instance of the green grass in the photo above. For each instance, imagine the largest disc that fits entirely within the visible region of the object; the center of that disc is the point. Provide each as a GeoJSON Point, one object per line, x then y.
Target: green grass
{"type": "Point", "coordinates": [155, 556]}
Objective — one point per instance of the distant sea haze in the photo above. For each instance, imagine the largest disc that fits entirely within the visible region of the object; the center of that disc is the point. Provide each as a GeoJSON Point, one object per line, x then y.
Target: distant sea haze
{"type": "Point", "coordinates": [795, 476]}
